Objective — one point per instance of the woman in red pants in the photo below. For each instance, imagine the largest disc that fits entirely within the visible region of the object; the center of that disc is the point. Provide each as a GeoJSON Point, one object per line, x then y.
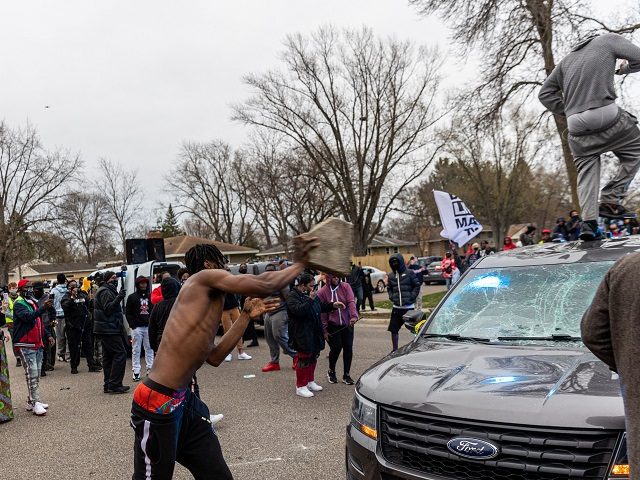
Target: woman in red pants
{"type": "Point", "coordinates": [305, 332]}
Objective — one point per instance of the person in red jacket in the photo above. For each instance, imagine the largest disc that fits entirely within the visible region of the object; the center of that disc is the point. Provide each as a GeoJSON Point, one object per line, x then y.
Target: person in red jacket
{"type": "Point", "coordinates": [156, 294]}
{"type": "Point", "coordinates": [28, 332]}
{"type": "Point", "coordinates": [508, 244]}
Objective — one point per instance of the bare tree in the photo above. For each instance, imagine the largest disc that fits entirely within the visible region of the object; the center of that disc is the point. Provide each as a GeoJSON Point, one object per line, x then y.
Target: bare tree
{"type": "Point", "coordinates": [31, 181]}
{"type": "Point", "coordinates": [123, 196]}
{"type": "Point", "coordinates": [83, 217]}
{"type": "Point", "coordinates": [205, 184]}
{"type": "Point", "coordinates": [520, 41]}
{"type": "Point", "coordinates": [360, 108]}
{"type": "Point", "coordinates": [282, 189]}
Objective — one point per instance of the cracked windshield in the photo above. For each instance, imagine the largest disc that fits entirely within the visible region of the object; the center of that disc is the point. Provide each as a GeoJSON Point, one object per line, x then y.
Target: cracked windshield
{"type": "Point", "coordinates": [537, 301]}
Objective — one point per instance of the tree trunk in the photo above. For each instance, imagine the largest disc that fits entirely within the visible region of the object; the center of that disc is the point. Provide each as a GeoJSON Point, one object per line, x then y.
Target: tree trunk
{"type": "Point", "coordinates": [360, 243]}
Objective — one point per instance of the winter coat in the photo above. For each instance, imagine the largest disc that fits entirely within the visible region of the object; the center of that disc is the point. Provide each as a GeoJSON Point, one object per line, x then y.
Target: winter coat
{"type": "Point", "coordinates": [28, 329]}
{"type": "Point", "coordinates": [58, 292]}
{"type": "Point", "coordinates": [403, 286]}
{"type": "Point", "coordinates": [448, 266]}
{"type": "Point", "coordinates": [340, 293]}
{"type": "Point", "coordinates": [355, 277]}
{"type": "Point", "coordinates": [138, 309]}
{"type": "Point", "coordinates": [76, 310]}
{"type": "Point", "coordinates": [610, 329]}
{"type": "Point", "coordinates": [107, 310]}
{"type": "Point", "coordinates": [562, 229]}
{"type": "Point", "coordinates": [305, 326]}
{"type": "Point", "coordinates": [573, 228]}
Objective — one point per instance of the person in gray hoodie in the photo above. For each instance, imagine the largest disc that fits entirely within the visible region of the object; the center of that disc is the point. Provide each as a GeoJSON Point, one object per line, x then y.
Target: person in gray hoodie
{"type": "Point", "coordinates": [57, 292]}
{"type": "Point", "coordinates": [581, 88]}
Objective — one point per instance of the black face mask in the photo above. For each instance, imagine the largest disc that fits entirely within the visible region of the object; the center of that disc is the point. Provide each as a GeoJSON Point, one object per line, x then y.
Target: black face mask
{"type": "Point", "coordinates": [114, 282]}
{"type": "Point", "coordinates": [395, 265]}
{"type": "Point", "coordinates": [29, 292]}
{"type": "Point", "coordinates": [243, 270]}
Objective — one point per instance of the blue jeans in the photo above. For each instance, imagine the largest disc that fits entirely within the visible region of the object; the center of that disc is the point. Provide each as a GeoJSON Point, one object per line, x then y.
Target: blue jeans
{"type": "Point", "coordinates": [276, 332]}
{"type": "Point", "coordinates": [32, 363]}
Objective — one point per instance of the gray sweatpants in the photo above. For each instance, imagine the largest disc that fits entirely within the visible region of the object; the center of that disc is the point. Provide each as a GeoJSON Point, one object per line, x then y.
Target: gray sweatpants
{"type": "Point", "coordinates": [623, 140]}
{"type": "Point", "coordinates": [61, 338]}
{"type": "Point", "coordinates": [276, 333]}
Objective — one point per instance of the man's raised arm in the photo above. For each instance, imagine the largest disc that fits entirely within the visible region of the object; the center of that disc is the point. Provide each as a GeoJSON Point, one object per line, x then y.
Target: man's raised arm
{"type": "Point", "coordinates": [261, 285]}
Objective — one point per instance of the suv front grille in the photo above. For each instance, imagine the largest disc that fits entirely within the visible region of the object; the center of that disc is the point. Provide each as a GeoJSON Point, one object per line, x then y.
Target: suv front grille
{"type": "Point", "coordinates": [419, 442]}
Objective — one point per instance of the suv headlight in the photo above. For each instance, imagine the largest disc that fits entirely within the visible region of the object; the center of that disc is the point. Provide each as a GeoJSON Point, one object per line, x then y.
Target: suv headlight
{"type": "Point", "coordinates": [620, 468]}
{"type": "Point", "coordinates": [363, 416]}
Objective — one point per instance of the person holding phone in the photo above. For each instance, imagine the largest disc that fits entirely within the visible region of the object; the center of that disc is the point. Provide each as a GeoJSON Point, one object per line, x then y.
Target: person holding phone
{"type": "Point", "coordinates": [75, 304]}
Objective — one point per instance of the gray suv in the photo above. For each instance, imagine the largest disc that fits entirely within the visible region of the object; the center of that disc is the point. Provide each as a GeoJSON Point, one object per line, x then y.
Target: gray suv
{"type": "Point", "coordinates": [497, 384]}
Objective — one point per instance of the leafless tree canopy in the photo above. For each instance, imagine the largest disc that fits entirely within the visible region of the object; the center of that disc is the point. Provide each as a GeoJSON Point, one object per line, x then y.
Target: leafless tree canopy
{"type": "Point", "coordinates": [282, 189]}
{"type": "Point", "coordinates": [122, 194]}
{"type": "Point", "coordinates": [521, 41]}
{"type": "Point", "coordinates": [206, 186]}
{"type": "Point", "coordinates": [360, 108]}
{"type": "Point", "coordinates": [31, 181]}
{"type": "Point", "coordinates": [83, 218]}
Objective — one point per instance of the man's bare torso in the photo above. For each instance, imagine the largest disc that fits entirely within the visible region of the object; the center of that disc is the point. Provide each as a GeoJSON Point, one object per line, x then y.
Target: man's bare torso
{"type": "Point", "coordinates": [189, 335]}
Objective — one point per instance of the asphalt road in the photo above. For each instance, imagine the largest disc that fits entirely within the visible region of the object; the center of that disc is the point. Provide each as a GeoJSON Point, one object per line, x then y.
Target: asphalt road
{"type": "Point", "coordinates": [267, 433]}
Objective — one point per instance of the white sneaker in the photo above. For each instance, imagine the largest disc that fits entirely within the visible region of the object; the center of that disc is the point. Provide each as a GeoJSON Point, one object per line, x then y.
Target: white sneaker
{"type": "Point", "coordinates": [314, 387]}
{"type": "Point", "coordinates": [30, 408]}
{"type": "Point", "coordinates": [38, 409]}
{"type": "Point", "coordinates": [228, 358]}
{"type": "Point", "coordinates": [244, 356]}
{"type": "Point", "coordinates": [216, 418]}
{"type": "Point", "coordinates": [304, 392]}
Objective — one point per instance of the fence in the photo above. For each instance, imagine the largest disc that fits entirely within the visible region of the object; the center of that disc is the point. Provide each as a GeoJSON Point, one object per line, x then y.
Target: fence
{"type": "Point", "coordinates": [380, 262]}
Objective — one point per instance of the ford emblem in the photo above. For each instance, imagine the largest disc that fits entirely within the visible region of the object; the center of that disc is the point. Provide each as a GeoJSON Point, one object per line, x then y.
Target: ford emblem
{"type": "Point", "coordinates": [473, 448]}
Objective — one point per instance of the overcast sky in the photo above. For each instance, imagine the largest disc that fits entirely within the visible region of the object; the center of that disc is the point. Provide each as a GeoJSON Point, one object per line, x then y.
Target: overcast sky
{"type": "Point", "coordinates": [131, 80]}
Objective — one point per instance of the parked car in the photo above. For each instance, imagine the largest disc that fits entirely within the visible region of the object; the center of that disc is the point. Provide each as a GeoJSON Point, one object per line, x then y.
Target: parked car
{"type": "Point", "coordinates": [378, 278]}
{"type": "Point", "coordinates": [426, 261]}
{"type": "Point", "coordinates": [497, 384]}
{"type": "Point", "coordinates": [434, 273]}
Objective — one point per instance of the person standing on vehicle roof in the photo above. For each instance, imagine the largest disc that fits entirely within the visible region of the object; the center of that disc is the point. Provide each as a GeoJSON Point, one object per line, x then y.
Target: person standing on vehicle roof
{"type": "Point", "coordinates": [581, 88]}
{"type": "Point", "coordinates": [403, 288]}
{"type": "Point", "coordinates": [610, 329]}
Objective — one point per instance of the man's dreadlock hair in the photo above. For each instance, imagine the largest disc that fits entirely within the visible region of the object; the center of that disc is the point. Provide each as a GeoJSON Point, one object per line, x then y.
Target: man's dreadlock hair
{"type": "Point", "coordinates": [198, 254]}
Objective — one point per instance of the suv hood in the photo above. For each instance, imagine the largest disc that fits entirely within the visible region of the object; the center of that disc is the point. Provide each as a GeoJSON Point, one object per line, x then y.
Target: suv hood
{"type": "Point", "coordinates": [550, 385]}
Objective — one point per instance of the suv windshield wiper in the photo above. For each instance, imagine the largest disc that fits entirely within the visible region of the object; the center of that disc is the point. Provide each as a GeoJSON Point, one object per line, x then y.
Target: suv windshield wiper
{"type": "Point", "coordinates": [456, 337]}
{"type": "Point", "coordinates": [556, 337]}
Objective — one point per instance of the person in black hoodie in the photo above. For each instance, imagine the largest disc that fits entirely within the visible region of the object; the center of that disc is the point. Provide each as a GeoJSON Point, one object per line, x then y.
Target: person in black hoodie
{"type": "Point", "coordinates": [77, 328]}
{"type": "Point", "coordinates": [138, 310]}
{"type": "Point", "coordinates": [108, 327]}
{"type": "Point", "coordinates": [306, 335]}
{"type": "Point", "coordinates": [403, 288]}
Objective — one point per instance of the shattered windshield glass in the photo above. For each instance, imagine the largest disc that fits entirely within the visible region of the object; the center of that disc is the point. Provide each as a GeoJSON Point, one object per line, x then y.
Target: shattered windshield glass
{"type": "Point", "coordinates": [520, 301]}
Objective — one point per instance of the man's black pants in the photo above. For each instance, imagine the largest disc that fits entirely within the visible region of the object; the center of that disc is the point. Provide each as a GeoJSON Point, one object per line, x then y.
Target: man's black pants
{"type": "Point", "coordinates": [368, 295]}
{"type": "Point", "coordinates": [340, 340]}
{"type": "Point", "coordinates": [114, 360]}
{"type": "Point", "coordinates": [80, 339]}
{"type": "Point", "coordinates": [185, 436]}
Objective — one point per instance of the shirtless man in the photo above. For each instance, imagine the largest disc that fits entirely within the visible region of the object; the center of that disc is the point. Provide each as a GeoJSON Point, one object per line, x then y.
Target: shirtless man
{"type": "Point", "coordinates": [170, 423]}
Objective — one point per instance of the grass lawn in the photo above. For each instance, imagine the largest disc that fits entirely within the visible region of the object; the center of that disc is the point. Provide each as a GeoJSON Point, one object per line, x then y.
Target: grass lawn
{"type": "Point", "coordinates": [428, 301]}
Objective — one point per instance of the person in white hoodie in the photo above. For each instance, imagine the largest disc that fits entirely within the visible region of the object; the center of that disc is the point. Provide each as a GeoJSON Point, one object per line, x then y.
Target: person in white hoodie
{"type": "Point", "coordinates": [57, 292]}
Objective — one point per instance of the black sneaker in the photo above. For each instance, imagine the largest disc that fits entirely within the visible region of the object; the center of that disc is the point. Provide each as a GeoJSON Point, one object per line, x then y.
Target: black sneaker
{"type": "Point", "coordinates": [331, 376]}
{"type": "Point", "coordinates": [346, 378]}
{"type": "Point", "coordinates": [95, 368]}
{"type": "Point", "coordinates": [590, 231]}
{"type": "Point", "coordinates": [136, 377]}
{"type": "Point", "coordinates": [615, 212]}
{"type": "Point", "coordinates": [43, 373]}
{"type": "Point", "coordinates": [123, 389]}
{"type": "Point", "coordinates": [74, 371]}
